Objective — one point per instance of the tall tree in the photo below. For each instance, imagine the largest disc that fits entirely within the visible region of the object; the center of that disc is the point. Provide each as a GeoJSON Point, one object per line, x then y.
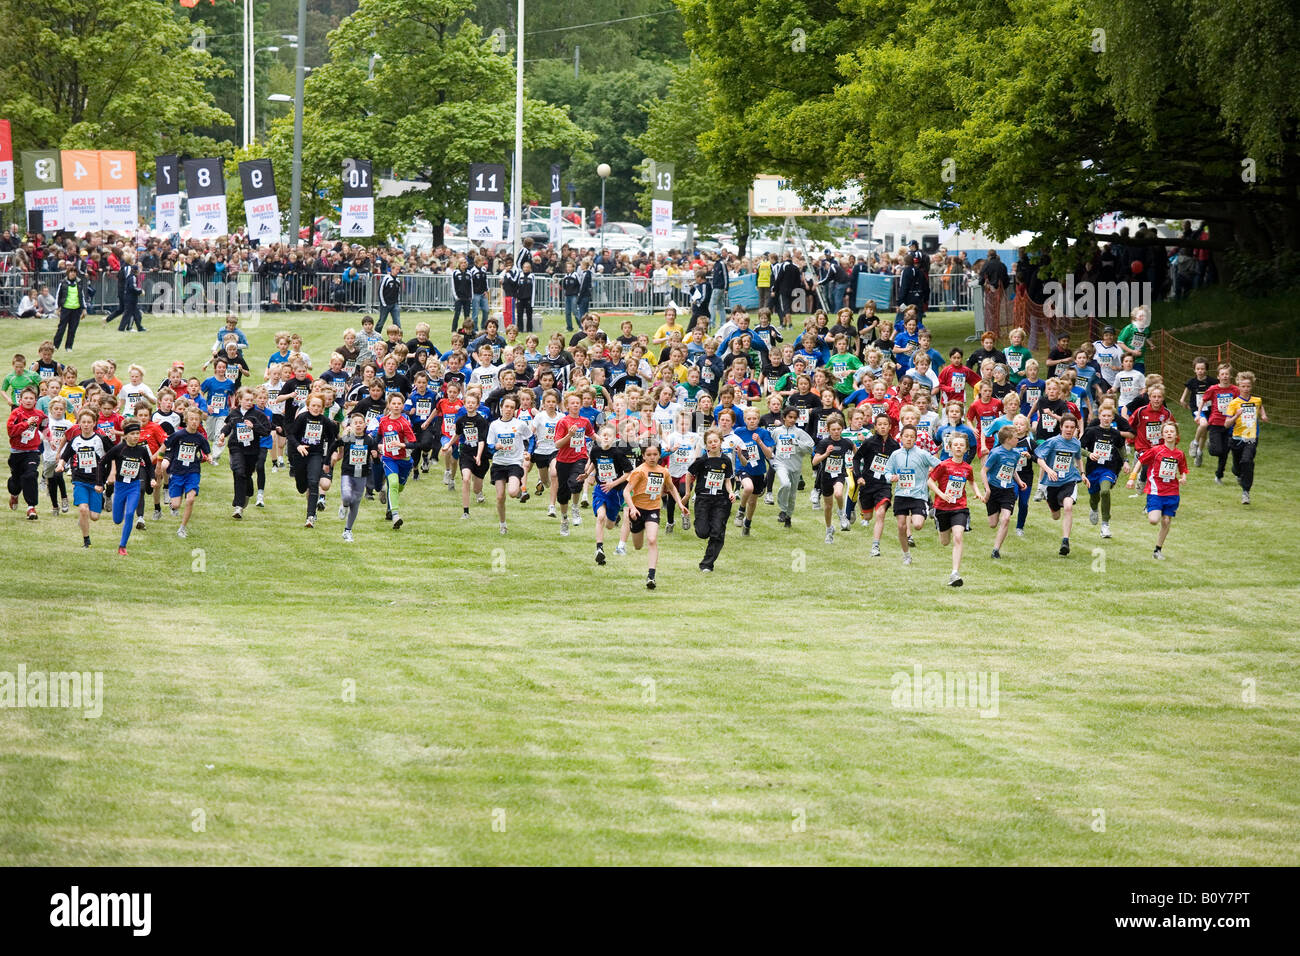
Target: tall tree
{"type": "Point", "coordinates": [421, 93]}
{"type": "Point", "coordinates": [1012, 115]}
{"type": "Point", "coordinates": [87, 74]}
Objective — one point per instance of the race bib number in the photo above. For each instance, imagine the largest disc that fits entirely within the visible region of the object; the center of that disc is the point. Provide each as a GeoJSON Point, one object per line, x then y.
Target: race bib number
{"type": "Point", "coordinates": [682, 454]}
{"type": "Point", "coordinates": [691, 404]}
{"type": "Point", "coordinates": [548, 432]}
{"type": "Point", "coordinates": [301, 393]}
{"type": "Point", "coordinates": [906, 479]}
{"type": "Point", "coordinates": [187, 453]}
{"type": "Point", "coordinates": [349, 368]}
{"type": "Point", "coordinates": [471, 434]}
{"type": "Point", "coordinates": [834, 465]}
{"type": "Point", "coordinates": [392, 444]}
{"type": "Point", "coordinates": [1168, 469]}
{"type": "Point", "coordinates": [1005, 474]}
{"type": "Point", "coordinates": [878, 465]}
{"type": "Point", "coordinates": [1248, 416]}
{"type": "Point", "coordinates": [1105, 449]}
{"type": "Point", "coordinates": [579, 441]}
{"type": "Point", "coordinates": [218, 404]}
{"type": "Point", "coordinates": [1049, 421]}
{"type": "Point", "coordinates": [1221, 401]}
{"type": "Point", "coordinates": [821, 428]}
{"type": "Point", "coordinates": [28, 435]}
{"type": "Point", "coordinates": [244, 433]}
{"type": "Point", "coordinates": [604, 471]}
{"type": "Point", "coordinates": [1153, 431]}
{"type": "Point", "coordinates": [784, 446]}
{"type": "Point", "coordinates": [985, 422]}
{"type": "Point", "coordinates": [713, 481]}
{"type": "Point", "coordinates": [1032, 395]}
{"type": "Point", "coordinates": [751, 453]}
{"type": "Point", "coordinates": [47, 373]}
{"type": "Point", "coordinates": [313, 432]}
{"type": "Point", "coordinates": [803, 415]}
{"type": "Point", "coordinates": [85, 458]}
{"type": "Point", "coordinates": [956, 485]}
{"type": "Point", "coordinates": [372, 416]}
{"type": "Point", "coordinates": [1024, 460]}
{"type": "Point", "coordinates": [1015, 360]}
{"type": "Point", "coordinates": [706, 373]}
{"type": "Point", "coordinates": [130, 468]}
{"type": "Point", "coordinates": [654, 485]}
{"type": "Point", "coordinates": [1139, 339]}
{"type": "Point", "coordinates": [959, 382]}
{"type": "Point", "coordinates": [1061, 462]}
{"type": "Point", "coordinates": [422, 409]}
{"type": "Point", "coordinates": [357, 453]}
{"type": "Point", "coordinates": [506, 441]}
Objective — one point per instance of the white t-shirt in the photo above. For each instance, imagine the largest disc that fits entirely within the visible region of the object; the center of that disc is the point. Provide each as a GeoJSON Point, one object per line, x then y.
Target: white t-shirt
{"type": "Point", "coordinates": [682, 449]}
{"type": "Point", "coordinates": [510, 440]}
{"type": "Point", "coordinates": [1129, 385]}
{"type": "Point", "coordinates": [544, 432]}
{"type": "Point", "coordinates": [485, 376]}
{"type": "Point", "coordinates": [1109, 360]}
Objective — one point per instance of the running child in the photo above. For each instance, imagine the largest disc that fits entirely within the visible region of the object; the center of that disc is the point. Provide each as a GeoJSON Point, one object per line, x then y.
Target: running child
{"type": "Point", "coordinates": [508, 442]}
{"type": "Point", "coordinates": [870, 466]}
{"type": "Point", "coordinates": [1217, 399]}
{"type": "Point", "coordinates": [26, 425]}
{"type": "Point", "coordinates": [752, 458]}
{"type": "Point", "coordinates": [356, 456]}
{"type": "Point", "coordinates": [130, 466]}
{"type": "Point", "coordinates": [610, 468]}
{"type": "Point", "coordinates": [572, 437]}
{"type": "Point", "coordinates": [643, 495]}
{"type": "Point", "coordinates": [1003, 482]}
{"type": "Point", "coordinates": [711, 474]}
{"type": "Point", "coordinates": [908, 468]}
{"type": "Point", "coordinates": [1060, 457]}
{"type": "Point", "coordinates": [312, 436]}
{"type": "Point", "coordinates": [1166, 470]}
{"type": "Point", "coordinates": [831, 461]}
{"type": "Point", "coordinates": [1244, 415]}
{"type": "Point", "coordinates": [85, 452]}
{"type": "Point", "coordinates": [247, 427]}
{"type": "Point", "coordinates": [185, 451]}
{"type": "Point", "coordinates": [1103, 446]}
{"type": "Point", "coordinates": [948, 482]}
{"type": "Point", "coordinates": [471, 447]}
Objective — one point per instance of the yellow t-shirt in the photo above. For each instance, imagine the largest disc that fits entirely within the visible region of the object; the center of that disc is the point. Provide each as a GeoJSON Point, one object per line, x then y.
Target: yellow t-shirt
{"type": "Point", "coordinates": [74, 396]}
{"type": "Point", "coordinates": [1247, 425]}
{"type": "Point", "coordinates": [764, 274]}
{"type": "Point", "coordinates": [666, 330]}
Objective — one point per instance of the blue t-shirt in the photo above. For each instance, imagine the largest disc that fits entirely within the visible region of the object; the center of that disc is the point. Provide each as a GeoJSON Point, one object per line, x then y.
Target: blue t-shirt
{"type": "Point", "coordinates": [277, 358]}
{"type": "Point", "coordinates": [1030, 393]}
{"type": "Point", "coordinates": [218, 394]}
{"type": "Point", "coordinates": [940, 437]}
{"type": "Point", "coordinates": [755, 462]}
{"type": "Point", "coordinates": [1002, 464]}
{"type": "Point", "coordinates": [1061, 454]}
{"type": "Point", "coordinates": [266, 440]}
{"type": "Point", "coordinates": [912, 466]}
{"type": "Point", "coordinates": [419, 407]}
{"type": "Point", "coordinates": [185, 451]}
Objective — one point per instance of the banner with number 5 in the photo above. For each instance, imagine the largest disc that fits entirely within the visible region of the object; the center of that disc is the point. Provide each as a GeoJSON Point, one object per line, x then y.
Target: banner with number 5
{"type": "Point", "coordinates": [80, 189]}
{"type": "Point", "coordinates": [117, 191]}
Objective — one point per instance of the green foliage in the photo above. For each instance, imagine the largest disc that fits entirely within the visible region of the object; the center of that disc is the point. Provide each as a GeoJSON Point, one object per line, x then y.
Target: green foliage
{"type": "Point", "coordinates": [1012, 115]}
{"type": "Point", "coordinates": [439, 99]}
{"type": "Point", "coordinates": [703, 193]}
{"type": "Point", "coordinates": [611, 106]}
{"type": "Point", "coordinates": [83, 74]}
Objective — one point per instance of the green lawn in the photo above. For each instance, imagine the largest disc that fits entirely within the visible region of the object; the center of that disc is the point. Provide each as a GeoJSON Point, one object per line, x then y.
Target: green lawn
{"type": "Point", "coordinates": [515, 704]}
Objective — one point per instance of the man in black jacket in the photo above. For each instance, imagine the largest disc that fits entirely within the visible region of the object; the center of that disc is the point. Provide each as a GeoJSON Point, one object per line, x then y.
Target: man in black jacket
{"type": "Point", "coordinates": [129, 294]}
{"type": "Point", "coordinates": [523, 279]}
{"type": "Point", "coordinates": [478, 286]}
{"type": "Point", "coordinates": [786, 277]}
{"type": "Point", "coordinates": [71, 298]}
{"type": "Point", "coordinates": [462, 290]}
{"type": "Point", "coordinates": [390, 290]}
{"type": "Point", "coordinates": [914, 286]}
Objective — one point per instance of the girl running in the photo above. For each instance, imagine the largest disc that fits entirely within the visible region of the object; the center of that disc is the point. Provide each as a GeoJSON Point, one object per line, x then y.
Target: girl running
{"type": "Point", "coordinates": [831, 461]}
{"type": "Point", "coordinates": [870, 465]}
{"type": "Point", "coordinates": [644, 496]}
{"type": "Point", "coordinates": [682, 447]}
{"type": "Point", "coordinates": [572, 435]}
{"type": "Point", "coordinates": [247, 427]}
{"type": "Point", "coordinates": [711, 474]}
{"type": "Point", "coordinates": [84, 452]}
{"type": "Point", "coordinates": [471, 447]}
{"type": "Point", "coordinates": [312, 437]}
{"type": "Point", "coordinates": [356, 456]}
{"type": "Point", "coordinates": [1244, 415]}
{"type": "Point", "coordinates": [395, 439]}
{"type": "Point", "coordinates": [543, 425]}
{"type": "Point", "coordinates": [26, 426]}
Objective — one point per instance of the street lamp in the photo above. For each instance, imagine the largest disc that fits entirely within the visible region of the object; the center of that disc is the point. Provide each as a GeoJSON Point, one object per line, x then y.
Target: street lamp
{"type": "Point", "coordinates": [603, 172]}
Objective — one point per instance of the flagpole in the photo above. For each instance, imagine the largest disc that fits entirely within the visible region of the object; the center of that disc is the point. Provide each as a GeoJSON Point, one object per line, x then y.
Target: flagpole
{"type": "Point", "coordinates": [517, 174]}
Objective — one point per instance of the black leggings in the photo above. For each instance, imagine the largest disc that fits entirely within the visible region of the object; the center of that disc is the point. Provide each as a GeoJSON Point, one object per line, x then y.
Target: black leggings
{"type": "Point", "coordinates": [672, 503]}
{"type": "Point", "coordinates": [712, 513]}
{"type": "Point", "coordinates": [306, 474]}
{"type": "Point", "coordinates": [57, 487]}
{"type": "Point", "coordinates": [1243, 462]}
{"type": "Point", "coordinates": [524, 309]}
{"type": "Point", "coordinates": [243, 464]}
{"type": "Point", "coordinates": [261, 468]}
{"type": "Point", "coordinates": [24, 476]}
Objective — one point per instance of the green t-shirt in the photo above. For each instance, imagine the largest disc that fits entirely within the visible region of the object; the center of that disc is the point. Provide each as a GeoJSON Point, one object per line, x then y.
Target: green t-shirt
{"type": "Point", "coordinates": [1136, 339]}
{"type": "Point", "coordinates": [1017, 358]}
{"type": "Point", "coordinates": [15, 383]}
{"type": "Point", "coordinates": [838, 363]}
{"type": "Point", "coordinates": [74, 297]}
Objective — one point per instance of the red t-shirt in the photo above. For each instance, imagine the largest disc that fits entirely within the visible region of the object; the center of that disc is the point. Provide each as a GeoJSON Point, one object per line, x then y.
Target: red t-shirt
{"type": "Point", "coordinates": [448, 409]}
{"type": "Point", "coordinates": [951, 475]}
{"type": "Point", "coordinates": [981, 415]}
{"type": "Point", "coordinates": [1216, 399]}
{"type": "Point", "coordinates": [1164, 465]}
{"type": "Point", "coordinates": [954, 380]}
{"type": "Point", "coordinates": [1147, 423]}
{"type": "Point", "coordinates": [394, 433]}
{"type": "Point", "coordinates": [25, 429]}
{"type": "Point", "coordinates": [576, 450]}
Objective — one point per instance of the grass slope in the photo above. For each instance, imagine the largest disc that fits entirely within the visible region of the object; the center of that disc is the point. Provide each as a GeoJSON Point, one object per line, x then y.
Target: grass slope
{"type": "Point", "coordinates": [516, 704]}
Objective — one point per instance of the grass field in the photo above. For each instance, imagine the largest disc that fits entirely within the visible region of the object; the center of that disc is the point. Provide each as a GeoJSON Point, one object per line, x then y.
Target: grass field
{"type": "Point", "coordinates": [515, 704]}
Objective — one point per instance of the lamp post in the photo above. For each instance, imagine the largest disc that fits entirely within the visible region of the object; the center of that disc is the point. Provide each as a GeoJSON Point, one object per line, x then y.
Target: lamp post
{"type": "Point", "coordinates": [603, 172]}
{"type": "Point", "coordinates": [517, 172]}
{"type": "Point", "coordinates": [295, 200]}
